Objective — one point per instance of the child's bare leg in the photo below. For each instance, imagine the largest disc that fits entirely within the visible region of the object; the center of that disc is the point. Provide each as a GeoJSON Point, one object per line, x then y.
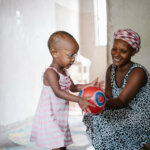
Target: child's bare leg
{"type": "Point", "coordinates": [61, 148]}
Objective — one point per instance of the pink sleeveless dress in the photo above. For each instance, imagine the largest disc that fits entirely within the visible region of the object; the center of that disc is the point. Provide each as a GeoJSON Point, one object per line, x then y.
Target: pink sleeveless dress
{"type": "Point", "coordinates": [50, 127]}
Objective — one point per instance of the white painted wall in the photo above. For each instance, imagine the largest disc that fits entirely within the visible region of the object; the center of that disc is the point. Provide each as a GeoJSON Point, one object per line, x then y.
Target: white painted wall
{"type": "Point", "coordinates": [132, 14]}
{"type": "Point", "coordinates": [97, 54]}
{"type": "Point", "coordinates": [24, 54]}
{"type": "Point", "coordinates": [67, 17]}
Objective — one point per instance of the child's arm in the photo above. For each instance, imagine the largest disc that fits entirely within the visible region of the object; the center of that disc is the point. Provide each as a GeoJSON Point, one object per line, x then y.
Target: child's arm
{"type": "Point", "coordinates": [53, 80]}
{"type": "Point", "coordinates": [136, 80]}
{"type": "Point", "coordinates": [78, 87]}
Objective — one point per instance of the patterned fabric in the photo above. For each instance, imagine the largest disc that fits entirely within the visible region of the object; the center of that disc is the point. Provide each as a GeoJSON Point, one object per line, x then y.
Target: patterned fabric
{"type": "Point", "coordinates": [50, 127]}
{"type": "Point", "coordinates": [122, 129]}
{"type": "Point", "coordinates": [129, 36]}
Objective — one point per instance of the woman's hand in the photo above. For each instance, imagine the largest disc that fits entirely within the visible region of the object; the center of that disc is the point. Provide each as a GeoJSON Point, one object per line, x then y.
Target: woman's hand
{"type": "Point", "coordinates": [94, 83]}
{"type": "Point", "coordinates": [100, 84]}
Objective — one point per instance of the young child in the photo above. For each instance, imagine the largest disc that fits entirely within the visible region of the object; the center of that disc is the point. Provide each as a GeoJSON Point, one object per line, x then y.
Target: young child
{"type": "Point", "coordinates": [125, 123]}
{"type": "Point", "coordinates": [50, 127]}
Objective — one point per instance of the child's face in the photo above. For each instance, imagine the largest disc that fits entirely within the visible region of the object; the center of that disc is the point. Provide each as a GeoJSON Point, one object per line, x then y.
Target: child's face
{"type": "Point", "coordinates": [121, 52]}
{"type": "Point", "coordinates": [66, 52]}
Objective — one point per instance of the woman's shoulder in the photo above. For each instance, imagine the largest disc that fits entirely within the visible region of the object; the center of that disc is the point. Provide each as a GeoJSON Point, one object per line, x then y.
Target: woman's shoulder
{"type": "Point", "coordinates": [138, 73]}
{"type": "Point", "coordinates": [136, 67]}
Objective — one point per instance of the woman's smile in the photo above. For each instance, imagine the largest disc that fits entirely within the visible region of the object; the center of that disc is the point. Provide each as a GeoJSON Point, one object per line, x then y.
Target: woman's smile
{"type": "Point", "coordinates": [116, 59]}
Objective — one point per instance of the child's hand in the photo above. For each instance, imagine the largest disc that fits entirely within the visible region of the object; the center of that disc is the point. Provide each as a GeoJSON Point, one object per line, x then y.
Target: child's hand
{"type": "Point", "coordinates": [83, 102]}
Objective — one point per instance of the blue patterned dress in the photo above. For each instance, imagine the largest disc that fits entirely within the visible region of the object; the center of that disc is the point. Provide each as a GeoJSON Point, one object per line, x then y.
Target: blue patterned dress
{"type": "Point", "coordinates": [122, 129]}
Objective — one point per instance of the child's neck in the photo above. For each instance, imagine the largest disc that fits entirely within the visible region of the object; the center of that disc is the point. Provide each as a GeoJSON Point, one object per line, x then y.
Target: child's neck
{"type": "Point", "coordinates": [59, 69]}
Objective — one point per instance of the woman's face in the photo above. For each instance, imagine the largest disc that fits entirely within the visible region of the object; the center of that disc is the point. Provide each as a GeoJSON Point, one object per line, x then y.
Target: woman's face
{"type": "Point", "coordinates": [121, 53]}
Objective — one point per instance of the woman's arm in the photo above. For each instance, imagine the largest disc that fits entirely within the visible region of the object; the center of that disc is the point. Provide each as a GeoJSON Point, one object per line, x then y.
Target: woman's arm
{"type": "Point", "coordinates": [136, 80]}
{"type": "Point", "coordinates": [108, 89]}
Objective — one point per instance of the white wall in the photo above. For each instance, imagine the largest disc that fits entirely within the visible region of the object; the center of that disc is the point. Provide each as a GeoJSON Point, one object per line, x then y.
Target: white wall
{"type": "Point", "coordinates": [24, 55]}
{"type": "Point", "coordinates": [67, 17]}
{"type": "Point", "coordinates": [132, 14]}
{"type": "Point", "coordinates": [25, 28]}
{"type": "Point", "coordinates": [97, 54]}
{"type": "Point", "coordinates": [23, 50]}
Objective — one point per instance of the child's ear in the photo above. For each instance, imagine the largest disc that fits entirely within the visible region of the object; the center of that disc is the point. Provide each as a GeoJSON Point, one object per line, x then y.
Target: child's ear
{"type": "Point", "coordinates": [54, 53]}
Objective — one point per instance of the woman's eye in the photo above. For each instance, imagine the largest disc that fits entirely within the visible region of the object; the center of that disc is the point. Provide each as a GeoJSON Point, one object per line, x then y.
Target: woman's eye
{"type": "Point", "coordinates": [123, 51]}
{"type": "Point", "coordinates": [113, 49]}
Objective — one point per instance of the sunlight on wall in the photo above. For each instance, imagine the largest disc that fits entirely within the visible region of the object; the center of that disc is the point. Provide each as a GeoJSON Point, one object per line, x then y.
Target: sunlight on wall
{"type": "Point", "coordinates": [100, 22]}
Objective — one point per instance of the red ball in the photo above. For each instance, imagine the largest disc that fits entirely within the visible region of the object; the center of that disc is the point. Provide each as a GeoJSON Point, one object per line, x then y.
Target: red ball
{"type": "Point", "coordinates": [97, 98]}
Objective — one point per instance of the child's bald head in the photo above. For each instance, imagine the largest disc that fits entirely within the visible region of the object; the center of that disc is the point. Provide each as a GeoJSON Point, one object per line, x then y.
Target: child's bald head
{"type": "Point", "coordinates": [59, 38]}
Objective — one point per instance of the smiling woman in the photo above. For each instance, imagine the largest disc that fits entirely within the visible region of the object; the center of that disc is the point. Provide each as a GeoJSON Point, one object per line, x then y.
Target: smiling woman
{"type": "Point", "coordinates": [124, 123]}
{"type": "Point", "coordinates": [121, 52]}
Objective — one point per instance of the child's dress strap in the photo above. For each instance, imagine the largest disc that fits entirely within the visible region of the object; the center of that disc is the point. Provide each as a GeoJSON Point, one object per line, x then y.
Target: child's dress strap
{"type": "Point", "coordinates": [66, 72]}
{"type": "Point", "coordinates": [53, 69]}
{"type": "Point", "coordinates": [58, 72]}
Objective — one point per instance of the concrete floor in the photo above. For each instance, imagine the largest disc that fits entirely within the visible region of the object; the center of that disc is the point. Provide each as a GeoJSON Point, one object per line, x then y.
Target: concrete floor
{"type": "Point", "coordinates": [77, 128]}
